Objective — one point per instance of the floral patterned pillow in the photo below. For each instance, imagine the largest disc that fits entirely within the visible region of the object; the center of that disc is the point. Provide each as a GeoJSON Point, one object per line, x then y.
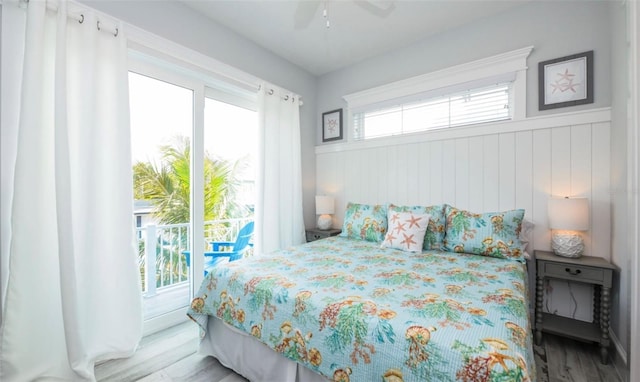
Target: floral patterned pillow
{"type": "Point", "coordinates": [365, 221]}
{"type": "Point", "coordinates": [406, 231]}
{"type": "Point", "coordinates": [493, 234]}
{"type": "Point", "coordinates": [434, 237]}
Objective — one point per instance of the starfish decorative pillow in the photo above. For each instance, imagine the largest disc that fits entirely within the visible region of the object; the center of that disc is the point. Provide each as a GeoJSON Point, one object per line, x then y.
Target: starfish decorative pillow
{"type": "Point", "coordinates": [406, 230]}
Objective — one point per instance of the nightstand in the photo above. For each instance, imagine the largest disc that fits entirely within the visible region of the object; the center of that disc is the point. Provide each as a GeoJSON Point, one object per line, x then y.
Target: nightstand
{"type": "Point", "coordinates": [314, 234]}
{"type": "Point", "coordinates": [586, 269]}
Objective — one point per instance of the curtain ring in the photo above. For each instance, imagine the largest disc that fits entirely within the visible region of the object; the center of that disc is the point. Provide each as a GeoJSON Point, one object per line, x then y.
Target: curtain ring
{"type": "Point", "coordinates": [116, 34]}
{"type": "Point", "coordinates": [98, 24]}
{"type": "Point", "coordinates": [81, 18]}
{"type": "Point", "coordinates": [270, 91]}
{"type": "Point", "coordinates": [286, 98]}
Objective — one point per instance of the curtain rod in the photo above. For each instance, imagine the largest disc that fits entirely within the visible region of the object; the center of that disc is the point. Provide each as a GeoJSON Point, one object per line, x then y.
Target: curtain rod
{"type": "Point", "coordinates": [286, 97]}
{"type": "Point", "coordinates": [79, 17]}
{"type": "Point", "coordinates": [142, 38]}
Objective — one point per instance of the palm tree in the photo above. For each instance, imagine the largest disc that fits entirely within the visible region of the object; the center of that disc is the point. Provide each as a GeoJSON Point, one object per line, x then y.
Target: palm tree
{"type": "Point", "coordinates": [167, 185]}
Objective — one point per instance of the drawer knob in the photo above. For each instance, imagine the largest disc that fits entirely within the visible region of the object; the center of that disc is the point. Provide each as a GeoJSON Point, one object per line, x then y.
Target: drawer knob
{"type": "Point", "coordinates": [573, 273]}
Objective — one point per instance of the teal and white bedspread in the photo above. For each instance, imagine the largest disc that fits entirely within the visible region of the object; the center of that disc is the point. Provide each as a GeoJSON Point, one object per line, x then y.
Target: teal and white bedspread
{"type": "Point", "coordinates": [351, 310]}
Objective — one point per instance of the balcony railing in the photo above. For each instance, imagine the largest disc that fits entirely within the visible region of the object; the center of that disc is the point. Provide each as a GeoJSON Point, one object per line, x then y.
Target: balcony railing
{"type": "Point", "coordinates": [160, 248]}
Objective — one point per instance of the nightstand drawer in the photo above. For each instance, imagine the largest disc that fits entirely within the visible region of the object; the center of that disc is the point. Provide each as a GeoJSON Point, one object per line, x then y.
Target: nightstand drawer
{"type": "Point", "coordinates": [573, 272]}
{"type": "Point", "coordinates": [313, 236]}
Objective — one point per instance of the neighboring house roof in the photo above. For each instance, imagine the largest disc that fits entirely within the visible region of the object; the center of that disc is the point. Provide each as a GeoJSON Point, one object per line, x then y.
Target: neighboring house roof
{"type": "Point", "coordinates": [141, 207]}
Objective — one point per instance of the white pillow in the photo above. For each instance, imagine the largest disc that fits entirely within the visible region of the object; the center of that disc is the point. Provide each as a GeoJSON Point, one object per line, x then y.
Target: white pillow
{"type": "Point", "coordinates": [406, 230]}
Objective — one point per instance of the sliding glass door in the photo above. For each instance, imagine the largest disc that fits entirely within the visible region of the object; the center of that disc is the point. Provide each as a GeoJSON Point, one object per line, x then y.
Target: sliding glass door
{"type": "Point", "coordinates": [193, 150]}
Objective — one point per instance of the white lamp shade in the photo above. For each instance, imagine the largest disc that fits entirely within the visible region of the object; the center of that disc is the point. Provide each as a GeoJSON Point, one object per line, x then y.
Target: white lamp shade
{"type": "Point", "coordinates": [324, 205]}
{"type": "Point", "coordinates": [570, 214]}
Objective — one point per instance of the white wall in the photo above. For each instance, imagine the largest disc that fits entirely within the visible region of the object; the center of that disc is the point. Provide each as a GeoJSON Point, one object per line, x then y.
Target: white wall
{"type": "Point", "coordinates": [180, 24]}
{"type": "Point", "coordinates": [555, 29]}
{"type": "Point", "coordinates": [490, 168]}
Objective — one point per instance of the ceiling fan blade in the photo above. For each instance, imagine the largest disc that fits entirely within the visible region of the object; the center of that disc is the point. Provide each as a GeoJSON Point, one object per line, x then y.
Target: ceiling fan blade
{"type": "Point", "coordinates": [304, 13]}
{"type": "Point", "coordinates": [380, 8]}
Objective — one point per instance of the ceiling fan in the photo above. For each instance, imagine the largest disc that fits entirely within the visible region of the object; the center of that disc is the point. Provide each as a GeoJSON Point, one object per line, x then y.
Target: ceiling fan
{"type": "Point", "coordinates": [307, 9]}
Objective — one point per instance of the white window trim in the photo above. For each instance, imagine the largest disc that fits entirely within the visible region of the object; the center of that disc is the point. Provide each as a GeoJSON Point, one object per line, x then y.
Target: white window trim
{"type": "Point", "coordinates": [156, 46]}
{"type": "Point", "coordinates": [495, 66]}
{"type": "Point", "coordinates": [202, 75]}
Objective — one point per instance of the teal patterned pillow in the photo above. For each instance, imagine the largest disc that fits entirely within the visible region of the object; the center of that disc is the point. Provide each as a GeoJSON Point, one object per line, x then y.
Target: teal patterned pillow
{"type": "Point", "coordinates": [434, 237]}
{"type": "Point", "coordinates": [365, 221]}
{"type": "Point", "coordinates": [493, 234]}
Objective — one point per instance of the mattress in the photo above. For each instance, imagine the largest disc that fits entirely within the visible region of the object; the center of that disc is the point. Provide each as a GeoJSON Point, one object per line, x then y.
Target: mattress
{"type": "Point", "coordinates": [346, 309]}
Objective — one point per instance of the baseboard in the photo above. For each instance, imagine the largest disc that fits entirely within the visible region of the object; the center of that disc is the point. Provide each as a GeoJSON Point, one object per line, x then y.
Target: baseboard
{"type": "Point", "coordinates": [619, 358]}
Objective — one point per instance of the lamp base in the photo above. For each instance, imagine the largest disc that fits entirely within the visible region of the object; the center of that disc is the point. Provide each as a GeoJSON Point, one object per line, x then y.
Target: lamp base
{"type": "Point", "coordinates": [324, 222]}
{"type": "Point", "coordinates": [567, 244]}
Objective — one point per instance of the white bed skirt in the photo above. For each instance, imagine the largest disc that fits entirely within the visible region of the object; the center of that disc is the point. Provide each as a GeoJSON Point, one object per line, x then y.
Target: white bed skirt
{"type": "Point", "coordinates": [251, 358]}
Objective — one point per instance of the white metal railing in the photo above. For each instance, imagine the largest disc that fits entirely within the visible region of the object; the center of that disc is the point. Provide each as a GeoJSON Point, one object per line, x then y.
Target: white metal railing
{"type": "Point", "coordinates": [160, 250]}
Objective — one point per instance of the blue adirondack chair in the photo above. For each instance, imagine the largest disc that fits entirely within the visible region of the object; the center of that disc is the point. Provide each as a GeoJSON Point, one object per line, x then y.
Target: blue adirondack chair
{"type": "Point", "coordinates": [221, 250]}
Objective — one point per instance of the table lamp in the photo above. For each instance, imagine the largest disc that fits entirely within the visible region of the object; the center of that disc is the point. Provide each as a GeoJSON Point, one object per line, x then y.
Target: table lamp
{"type": "Point", "coordinates": [567, 216]}
{"type": "Point", "coordinates": [324, 208]}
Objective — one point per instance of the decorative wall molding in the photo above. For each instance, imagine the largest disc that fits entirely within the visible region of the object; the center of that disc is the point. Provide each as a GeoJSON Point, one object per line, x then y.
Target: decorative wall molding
{"type": "Point", "coordinates": [528, 124]}
{"type": "Point", "coordinates": [509, 62]}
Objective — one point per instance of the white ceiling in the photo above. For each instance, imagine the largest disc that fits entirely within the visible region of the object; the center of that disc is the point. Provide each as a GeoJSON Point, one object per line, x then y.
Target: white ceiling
{"type": "Point", "coordinates": [296, 29]}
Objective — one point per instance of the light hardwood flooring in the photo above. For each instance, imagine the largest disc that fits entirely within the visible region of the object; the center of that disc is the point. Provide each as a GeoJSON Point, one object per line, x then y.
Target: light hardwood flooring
{"type": "Point", "coordinates": [171, 355]}
{"type": "Point", "coordinates": [575, 361]}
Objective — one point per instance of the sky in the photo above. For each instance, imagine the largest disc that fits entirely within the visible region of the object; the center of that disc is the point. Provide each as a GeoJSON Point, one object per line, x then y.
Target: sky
{"type": "Point", "coordinates": [160, 111]}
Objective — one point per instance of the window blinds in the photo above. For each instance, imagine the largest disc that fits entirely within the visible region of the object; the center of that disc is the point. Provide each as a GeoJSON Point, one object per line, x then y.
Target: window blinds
{"type": "Point", "coordinates": [429, 111]}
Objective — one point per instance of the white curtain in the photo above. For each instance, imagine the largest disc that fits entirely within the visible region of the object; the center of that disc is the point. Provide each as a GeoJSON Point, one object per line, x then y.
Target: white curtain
{"type": "Point", "coordinates": [279, 219]}
{"type": "Point", "coordinates": [73, 292]}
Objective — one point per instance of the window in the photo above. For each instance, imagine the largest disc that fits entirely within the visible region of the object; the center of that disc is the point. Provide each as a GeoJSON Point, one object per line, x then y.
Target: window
{"type": "Point", "coordinates": [468, 107]}
{"type": "Point", "coordinates": [487, 90]}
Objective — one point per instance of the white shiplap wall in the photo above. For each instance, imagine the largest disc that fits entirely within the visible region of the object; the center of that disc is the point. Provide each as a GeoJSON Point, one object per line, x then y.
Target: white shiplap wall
{"type": "Point", "coordinates": [517, 164]}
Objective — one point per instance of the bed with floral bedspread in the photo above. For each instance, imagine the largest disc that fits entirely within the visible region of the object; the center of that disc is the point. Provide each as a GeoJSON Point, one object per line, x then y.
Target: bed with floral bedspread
{"type": "Point", "coordinates": [351, 310]}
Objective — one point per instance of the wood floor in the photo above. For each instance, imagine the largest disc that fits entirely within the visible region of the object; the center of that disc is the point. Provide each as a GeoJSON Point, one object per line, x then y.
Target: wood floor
{"type": "Point", "coordinates": [171, 355]}
{"type": "Point", "coordinates": [569, 360]}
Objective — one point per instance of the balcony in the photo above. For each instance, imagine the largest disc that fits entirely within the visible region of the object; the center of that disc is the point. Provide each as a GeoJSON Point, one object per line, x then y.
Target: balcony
{"type": "Point", "coordinates": [164, 273]}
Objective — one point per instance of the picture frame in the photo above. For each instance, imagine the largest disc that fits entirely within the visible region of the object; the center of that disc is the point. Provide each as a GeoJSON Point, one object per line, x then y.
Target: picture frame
{"type": "Point", "coordinates": [565, 81]}
{"type": "Point", "coordinates": [332, 125]}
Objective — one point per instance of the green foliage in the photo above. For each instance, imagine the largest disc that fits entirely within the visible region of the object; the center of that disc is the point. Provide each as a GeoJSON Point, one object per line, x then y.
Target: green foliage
{"type": "Point", "coordinates": [515, 374]}
{"type": "Point", "coordinates": [459, 224]}
{"type": "Point", "coordinates": [440, 309]}
{"type": "Point", "coordinates": [399, 279]}
{"type": "Point", "coordinates": [351, 326]}
{"type": "Point", "coordinates": [463, 277]}
{"type": "Point", "coordinates": [436, 368]}
{"type": "Point", "coordinates": [384, 332]}
{"type": "Point", "coordinates": [515, 307]}
{"type": "Point", "coordinates": [468, 351]}
{"type": "Point", "coordinates": [167, 184]}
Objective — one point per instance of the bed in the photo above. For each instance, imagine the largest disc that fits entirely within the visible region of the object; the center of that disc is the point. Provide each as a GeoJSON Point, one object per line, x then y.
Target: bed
{"type": "Point", "coordinates": [352, 308]}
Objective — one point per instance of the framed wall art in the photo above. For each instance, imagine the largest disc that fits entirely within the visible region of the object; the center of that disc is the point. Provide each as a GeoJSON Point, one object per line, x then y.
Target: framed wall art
{"type": "Point", "coordinates": [332, 125]}
{"type": "Point", "coordinates": [565, 81]}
